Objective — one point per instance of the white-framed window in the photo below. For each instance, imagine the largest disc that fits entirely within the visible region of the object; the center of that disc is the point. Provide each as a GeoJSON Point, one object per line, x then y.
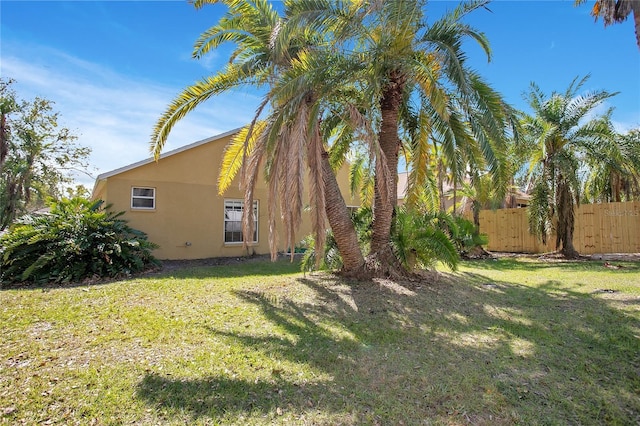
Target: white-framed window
{"type": "Point", "coordinates": [233, 221]}
{"type": "Point", "coordinates": [143, 198]}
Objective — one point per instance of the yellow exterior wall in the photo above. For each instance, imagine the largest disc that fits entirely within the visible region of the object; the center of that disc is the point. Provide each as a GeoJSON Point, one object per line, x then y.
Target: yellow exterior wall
{"type": "Point", "coordinates": [188, 219]}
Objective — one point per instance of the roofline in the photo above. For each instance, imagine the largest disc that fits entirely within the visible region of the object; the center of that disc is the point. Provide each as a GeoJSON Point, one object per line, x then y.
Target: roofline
{"type": "Point", "coordinates": [107, 175]}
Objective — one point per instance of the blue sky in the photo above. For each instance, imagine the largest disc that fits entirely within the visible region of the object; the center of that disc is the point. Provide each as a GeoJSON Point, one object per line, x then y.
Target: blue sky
{"type": "Point", "coordinates": [112, 67]}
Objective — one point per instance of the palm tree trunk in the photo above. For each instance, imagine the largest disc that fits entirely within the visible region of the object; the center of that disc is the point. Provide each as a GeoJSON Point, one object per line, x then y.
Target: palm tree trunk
{"type": "Point", "coordinates": [386, 180]}
{"type": "Point", "coordinates": [566, 221]}
{"type": "Point", "coordinates": [475, 207]}
{"type": "Point", "coordinates": [443, 207]}
{"type": "Point", "coordinates": [455, 196]}
{"type": "Point", "coordinates": [616, 187]}
{"type": "Point", "coordinates": [340, 221]}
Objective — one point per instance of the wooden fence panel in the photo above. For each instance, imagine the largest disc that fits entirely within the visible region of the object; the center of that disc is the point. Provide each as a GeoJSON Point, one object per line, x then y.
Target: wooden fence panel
{"type": "Point", "coordinates": [599, 228]}
{"type": "Point", "coordinates": [585, 235]}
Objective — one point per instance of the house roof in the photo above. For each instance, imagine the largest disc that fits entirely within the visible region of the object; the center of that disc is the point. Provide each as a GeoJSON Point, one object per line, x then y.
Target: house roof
{"type": "Point", "coordinates": [107, 175]}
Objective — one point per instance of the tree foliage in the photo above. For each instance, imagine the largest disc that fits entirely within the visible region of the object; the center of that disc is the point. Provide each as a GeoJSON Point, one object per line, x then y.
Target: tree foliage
{"type": "Point", "coordinates": [38, 156]}
{"type": "Point", "coordinates": [77, 239]}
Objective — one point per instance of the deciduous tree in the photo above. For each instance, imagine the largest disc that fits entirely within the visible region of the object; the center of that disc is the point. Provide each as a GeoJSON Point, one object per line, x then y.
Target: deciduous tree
{"type": "Point", "coordinates": [40, 156]}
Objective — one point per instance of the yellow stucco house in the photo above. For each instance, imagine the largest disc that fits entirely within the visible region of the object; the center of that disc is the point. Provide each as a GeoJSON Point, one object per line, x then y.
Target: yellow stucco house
{"type": "Point", "coordinates": [175, 201]}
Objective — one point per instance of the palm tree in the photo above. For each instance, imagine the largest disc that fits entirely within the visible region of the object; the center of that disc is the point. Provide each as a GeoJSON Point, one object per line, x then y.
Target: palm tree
{"type": "Point", "coordinates": [404, 58]}
{"type": "Point", "coordinates": [271, 53]}
{"type": "Point", "coordinates": [614, 176]}
{"type": "Point", "coordinates": [481, 191]}
{"type": "Point", "coordinates": [616, 11]}
{"type": "Point", "coordinates": [407, 58]}
{"type": "Point", "coordinates": [562, 134]}
{"type": "Point", "coordinates": [363, 60]}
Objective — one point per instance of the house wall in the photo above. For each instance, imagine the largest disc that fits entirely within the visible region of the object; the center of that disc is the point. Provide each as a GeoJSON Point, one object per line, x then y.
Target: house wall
{"type": "Point", "coordinates": [188, 219]}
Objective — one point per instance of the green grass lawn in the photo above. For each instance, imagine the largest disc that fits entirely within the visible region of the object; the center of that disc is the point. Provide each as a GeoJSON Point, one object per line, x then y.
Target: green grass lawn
{"type": "Point", "coordinates": [499, 342]}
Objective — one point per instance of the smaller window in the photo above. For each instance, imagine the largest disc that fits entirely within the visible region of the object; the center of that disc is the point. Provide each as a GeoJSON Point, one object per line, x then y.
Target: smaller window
{"type": "Point", "coordinates": [143, 198]}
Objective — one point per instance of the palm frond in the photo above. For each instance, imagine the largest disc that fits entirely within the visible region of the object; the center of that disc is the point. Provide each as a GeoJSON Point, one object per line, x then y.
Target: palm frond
{"type": "Point", "coordinates": [315, 151]}
{"type": "Point", "coordinates": [240, 146]}
{"type": "Point", "coordinates": [191, 97]}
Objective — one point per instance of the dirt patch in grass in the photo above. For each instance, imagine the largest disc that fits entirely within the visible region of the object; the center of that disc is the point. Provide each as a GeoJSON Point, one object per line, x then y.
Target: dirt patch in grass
{"type": "Point", "coordinates": [557, 257]}
{"type": "Point", "coordinates": [172, 265]}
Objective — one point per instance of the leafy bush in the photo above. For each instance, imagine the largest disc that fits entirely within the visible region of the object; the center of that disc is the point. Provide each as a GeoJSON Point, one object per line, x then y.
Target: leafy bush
{"type": "Point", "coordinates": [467, 238]}
{"type": "Point", "coordinates": [435, 236]}
{"type": "Point", "coordinates": [77, 239]}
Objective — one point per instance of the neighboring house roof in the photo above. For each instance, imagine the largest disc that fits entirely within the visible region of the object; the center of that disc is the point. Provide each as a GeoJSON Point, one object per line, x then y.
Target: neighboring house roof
{"type": "Point", "coordinates": [403, 184]}
{"type": "Point", "coordinates": [107, 175]}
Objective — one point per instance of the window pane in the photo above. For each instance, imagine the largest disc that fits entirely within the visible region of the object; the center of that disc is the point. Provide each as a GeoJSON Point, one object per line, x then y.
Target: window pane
{"type": "Point", "coordinates": [143, 192]}
{"type": "Point", "coordinates": [143, 203]}
{"type": "Point", "coordinates": [233, 226]}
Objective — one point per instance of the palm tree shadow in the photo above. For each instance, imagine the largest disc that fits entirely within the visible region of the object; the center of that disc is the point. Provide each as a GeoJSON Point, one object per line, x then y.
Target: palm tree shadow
{"type": "Point", "coordinates": [215, 397]}
{"type": "Point", "coordinates": [368, 341]}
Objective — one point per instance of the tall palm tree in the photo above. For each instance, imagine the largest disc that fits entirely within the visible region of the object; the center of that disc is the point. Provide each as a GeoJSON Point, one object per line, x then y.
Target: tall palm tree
{"type": "Point", "coordinates": [273, 54]}
{"type": "Point", "coordinates": [313, 58]}
{"type": "Point", "coordinates": [562, 133]}
{"type": "Point", "coordinates": [404, 57]}
{"type": "Point", "coordinates": [616, 11]}
{"type": "Point", "coordinates": [409, 58]}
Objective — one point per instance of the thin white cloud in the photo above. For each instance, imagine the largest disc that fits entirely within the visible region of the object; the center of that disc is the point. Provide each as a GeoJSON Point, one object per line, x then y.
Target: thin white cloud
{"type": "Point", "coordinates": [625, 126]}
{"type": "Point", "coordinates": [622, 123]}
{"type": "Point", "coordinates": [112, 113]}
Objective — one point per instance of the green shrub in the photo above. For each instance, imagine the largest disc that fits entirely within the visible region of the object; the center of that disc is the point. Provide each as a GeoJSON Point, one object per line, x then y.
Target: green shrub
{"type": "Point", "coordinates": [467, 238]}
{"type": "Point", "coordinates": [421, 240]}
{"type": "Point", "coordinates": [77, 239]}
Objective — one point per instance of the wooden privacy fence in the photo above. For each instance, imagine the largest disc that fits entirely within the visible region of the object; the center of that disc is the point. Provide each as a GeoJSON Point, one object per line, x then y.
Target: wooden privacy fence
{"type": "Point", "coordinates": [599, 228]}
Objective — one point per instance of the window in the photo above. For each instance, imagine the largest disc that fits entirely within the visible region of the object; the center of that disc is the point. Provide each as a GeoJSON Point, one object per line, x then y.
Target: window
{"type": "Point", "coordinates": [233, 221]}
{"type": "Point", "coordinates": [143, 198]}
